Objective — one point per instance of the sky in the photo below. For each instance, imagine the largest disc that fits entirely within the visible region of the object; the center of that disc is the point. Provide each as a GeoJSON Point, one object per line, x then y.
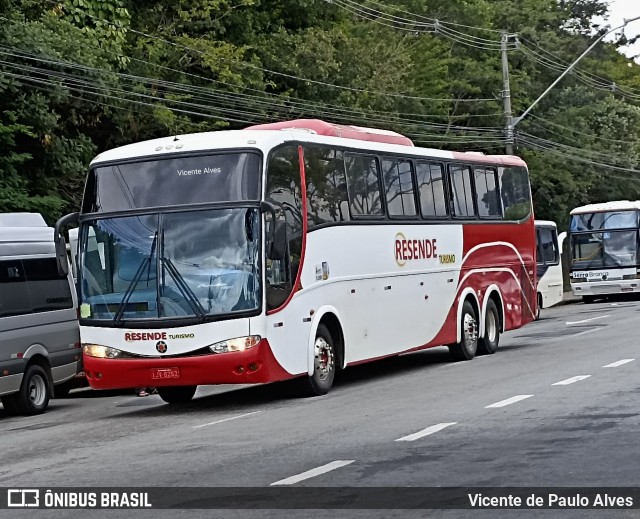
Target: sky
{"type": "Point", "coordinates": [619, 10]}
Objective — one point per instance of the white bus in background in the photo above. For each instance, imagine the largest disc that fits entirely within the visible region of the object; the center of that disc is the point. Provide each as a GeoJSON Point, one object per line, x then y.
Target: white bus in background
{"type": "Point", "coordinates": [549, 265]}
{"type": "Point", "coordinates": [604, 249]}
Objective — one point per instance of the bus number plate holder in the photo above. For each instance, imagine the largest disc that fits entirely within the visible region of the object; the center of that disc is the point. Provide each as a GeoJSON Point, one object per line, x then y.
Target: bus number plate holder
{"type": "Point", "coordinates": [164, 373]}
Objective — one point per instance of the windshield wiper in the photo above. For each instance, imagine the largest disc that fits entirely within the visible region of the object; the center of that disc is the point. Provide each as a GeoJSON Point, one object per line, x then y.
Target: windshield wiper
{"type": "Point", "coordinates": [117, 318]}
{"type": "Point", "coordinates": [186, 292]}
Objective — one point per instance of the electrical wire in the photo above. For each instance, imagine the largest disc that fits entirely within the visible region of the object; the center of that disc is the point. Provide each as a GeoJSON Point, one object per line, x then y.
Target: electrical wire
{"type": "Point", "coordinates": [262, 69]}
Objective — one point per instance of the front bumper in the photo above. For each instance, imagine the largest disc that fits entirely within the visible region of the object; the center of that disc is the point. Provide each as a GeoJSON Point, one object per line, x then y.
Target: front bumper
{"type": "Point", "coordinates": [600, 288]}
{"type": "Point", "coordinates": [256, 365]}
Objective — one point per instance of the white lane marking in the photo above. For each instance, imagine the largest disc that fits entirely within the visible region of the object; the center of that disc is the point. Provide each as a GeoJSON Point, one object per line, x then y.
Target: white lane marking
{"type": "Point", "coordinates": [571, 380]}
{"type": "Point", "coordinates": [587, 320]}
{"type": "Point", "coordinates": [225, 420]}
{"type": "Point", "coordinates": [509, 401]}
{"type": "Point", "coordinates": [618, 363]}
{"type": "Point", "coordinates": [591, 330]}
{"type": "Point", "coordinates": [425, 432]}
{"type": "Point", "coordinates": [314, 472]}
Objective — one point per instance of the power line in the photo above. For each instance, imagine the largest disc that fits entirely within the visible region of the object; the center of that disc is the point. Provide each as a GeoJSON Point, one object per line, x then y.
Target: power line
{"type": "Point", "coordinates": [570, 153]}
{"type": "Point", "coordinates": [207, 95]}
{"type": "Point", "coordinates": [567, 129]}
{"type": "Point", "coordinates": [272, 72]}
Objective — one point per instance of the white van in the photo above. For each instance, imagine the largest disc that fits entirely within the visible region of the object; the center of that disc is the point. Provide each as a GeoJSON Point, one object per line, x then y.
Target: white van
{"type": "Point", "coordinates": [39, 332]}
{"type": "Point", "coordinates": [549, 268]}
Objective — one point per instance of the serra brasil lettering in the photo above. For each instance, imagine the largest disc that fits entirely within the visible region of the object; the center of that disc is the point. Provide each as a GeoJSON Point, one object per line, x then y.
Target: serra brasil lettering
{"type": "Point", "coordinates": [407, 250]}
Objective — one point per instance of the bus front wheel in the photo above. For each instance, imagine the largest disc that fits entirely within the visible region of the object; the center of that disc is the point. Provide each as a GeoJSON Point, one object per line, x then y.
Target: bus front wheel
{"type": "Point", "coordinates": [587, 300]}
{"type": "Point", "coordinates": [468, 345]}
{"type": "Point", "coordinates": [324, 363]}
{"type": "Point", "coordinates": [177, 394]}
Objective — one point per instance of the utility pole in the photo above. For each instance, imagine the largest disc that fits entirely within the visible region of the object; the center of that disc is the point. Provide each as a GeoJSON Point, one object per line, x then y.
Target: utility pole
{"type": "Point", "coordinates": [506, 93]}
{"type": "Point", "coordinates": [517, 120]}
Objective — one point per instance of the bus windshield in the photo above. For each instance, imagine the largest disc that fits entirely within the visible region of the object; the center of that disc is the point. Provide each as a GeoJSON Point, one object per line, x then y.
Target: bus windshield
{"type": "Point", "coordinates": [191, 264]}
{"type": "Point", "coordinates": [604, 239]}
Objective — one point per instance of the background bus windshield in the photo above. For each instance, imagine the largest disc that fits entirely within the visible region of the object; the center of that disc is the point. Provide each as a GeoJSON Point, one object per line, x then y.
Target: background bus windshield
{"type": "Point", "coordinates": [604, 239]}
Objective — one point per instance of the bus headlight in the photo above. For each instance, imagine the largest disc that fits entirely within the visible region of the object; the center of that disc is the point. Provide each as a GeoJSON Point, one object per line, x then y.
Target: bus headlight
{"type": "Point", "coordinates": [103, 352]}
{"type": "Point", "coordinates": [238, 344]}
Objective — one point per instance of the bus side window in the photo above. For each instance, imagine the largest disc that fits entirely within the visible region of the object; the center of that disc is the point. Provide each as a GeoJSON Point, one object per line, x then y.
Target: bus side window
{"type": "Point", "coordinates": [515, 192]}
{"type": "Point", "coordinates": [397, 178]}
{"type": "Point", "coordinates": [487, 193]}
{"type": "Point", "coordinates": [548, 247]}
{"type": "Point", "coordinates": [327, 198]}
{"type": "Point", "coordinates": [363, 184]}
{"type": "Point", "coordinates": [539, 255]}
{"type": "Point", "coordinates": [461, 191]}
{"type": "Point", "coordinates": [431, 190]}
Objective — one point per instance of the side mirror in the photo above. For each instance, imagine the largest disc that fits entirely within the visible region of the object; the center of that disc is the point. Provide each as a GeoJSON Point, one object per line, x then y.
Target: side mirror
{"type": "Point", "coordinates": [276, 238]}
{"type": "Point", "coordinates": [277, 247]}
{"type": "Point", "coordinates": [268, 207]}
{"type": "Point", "coordinates": [60, 242]}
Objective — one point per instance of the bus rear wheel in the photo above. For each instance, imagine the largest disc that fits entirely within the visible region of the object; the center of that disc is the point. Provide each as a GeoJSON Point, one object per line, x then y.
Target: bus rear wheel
{"type": "Point", "coordinates": [324, 363]}
{"type": "Point", "coordinates": [587, 300]}
{"type": "Point", "coordinates": [177, 394]}
{"type": "Point", "coordinates": [488, 345]}
{"type": "Point", "coordinates": [468, 345]}
{"type": "Point", "coordinates": [538, 307]}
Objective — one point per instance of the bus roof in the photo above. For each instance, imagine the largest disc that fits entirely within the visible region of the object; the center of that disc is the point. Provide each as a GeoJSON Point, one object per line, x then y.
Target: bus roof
{"type": "Point", "coordinates": [318, 127]}
{"type": "Point", "coordinates": [618, 205]}
{"type": "Point", "coordinates": [22, 220]}
{"type": "Point", "coordinates": [24, 227]}
{"type": "Point", "coordinates": [266, 139]}
{"type": "Point", "coordinates": [546, 223]}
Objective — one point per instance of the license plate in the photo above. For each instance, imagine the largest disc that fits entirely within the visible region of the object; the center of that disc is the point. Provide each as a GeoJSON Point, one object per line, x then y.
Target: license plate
{"type": "Point", "coordinates": [164, 373]}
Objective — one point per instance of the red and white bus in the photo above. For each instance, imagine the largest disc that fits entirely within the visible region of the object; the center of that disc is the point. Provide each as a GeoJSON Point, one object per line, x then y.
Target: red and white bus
{"type": "Point", "coordinates": [292, 250]}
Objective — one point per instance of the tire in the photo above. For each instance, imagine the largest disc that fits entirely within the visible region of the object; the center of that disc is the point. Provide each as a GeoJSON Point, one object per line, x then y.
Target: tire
{"type": "Point", "coordinates": [468, 345]}
{"type": "Point", "coordinates": [538, 307]}
{"type": "Point", "coordinates": [9, 404]}
{"type": "Point", "coordinates": [178, 394]}
{"type": "Point", "coordinates": [62, 390]}
{"type": "Point", "coordinates": [35, 393]}
{"type": "Point", "coordinates": [488, 344]}
{"type": "Point", "coordinates": [587, 300]}
{"type": "Point", "coordinates": [324, 364]}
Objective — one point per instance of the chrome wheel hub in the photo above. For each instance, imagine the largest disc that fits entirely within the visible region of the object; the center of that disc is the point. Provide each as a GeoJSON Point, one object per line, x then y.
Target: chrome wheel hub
{"type": "Point", "coordinates": [324, 358]}
{"type": "Point", "coordinates": [492, 327]}
{"type": "Point", "coordinates": [470, 329]}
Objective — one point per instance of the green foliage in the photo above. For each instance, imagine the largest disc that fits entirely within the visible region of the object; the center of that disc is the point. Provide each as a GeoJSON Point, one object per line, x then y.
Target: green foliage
{"type": "Point", "coordinates": [81, 76]}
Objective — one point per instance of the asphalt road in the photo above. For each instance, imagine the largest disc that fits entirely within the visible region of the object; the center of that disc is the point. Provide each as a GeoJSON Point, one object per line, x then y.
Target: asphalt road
{"type": "Point", "coordinates": [556, 406]}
